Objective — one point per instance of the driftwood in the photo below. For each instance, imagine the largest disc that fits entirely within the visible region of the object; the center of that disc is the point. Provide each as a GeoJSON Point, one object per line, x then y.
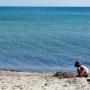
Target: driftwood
{"type": "Point", "coordinates": [63, 75]}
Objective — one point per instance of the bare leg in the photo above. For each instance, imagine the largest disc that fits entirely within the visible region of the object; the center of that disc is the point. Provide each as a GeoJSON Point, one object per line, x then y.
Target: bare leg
{"type": "Point", "coordinates": [85, 74]}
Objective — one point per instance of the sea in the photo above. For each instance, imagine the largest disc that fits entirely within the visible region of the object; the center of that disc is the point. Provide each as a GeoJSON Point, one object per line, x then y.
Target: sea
{"type": "Point", "coordinates": [44, 39]}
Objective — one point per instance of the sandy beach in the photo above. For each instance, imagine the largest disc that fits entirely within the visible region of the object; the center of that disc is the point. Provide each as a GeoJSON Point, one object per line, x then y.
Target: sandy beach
{"type": "Point", "coordinates": [39, 81]}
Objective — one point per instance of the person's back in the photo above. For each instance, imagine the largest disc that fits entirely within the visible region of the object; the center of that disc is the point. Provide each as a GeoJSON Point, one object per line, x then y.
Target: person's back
{"type": "Point", "coordinates": [85, 68]}
{"type": "Point", "coordinates": [84, 71]}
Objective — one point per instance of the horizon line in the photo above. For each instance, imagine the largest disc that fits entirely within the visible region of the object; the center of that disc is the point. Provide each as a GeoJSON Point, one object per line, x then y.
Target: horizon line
{"type": "Point", "coordinates": [51, 6]}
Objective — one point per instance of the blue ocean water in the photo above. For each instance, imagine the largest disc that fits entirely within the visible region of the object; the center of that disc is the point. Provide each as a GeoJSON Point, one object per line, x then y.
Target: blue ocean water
{"type": "Point", "coordinates": [44, 38]}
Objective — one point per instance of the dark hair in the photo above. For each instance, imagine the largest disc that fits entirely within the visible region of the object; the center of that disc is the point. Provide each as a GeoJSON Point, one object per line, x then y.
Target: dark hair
{"type": "Point", "coordinates": [77, 63]}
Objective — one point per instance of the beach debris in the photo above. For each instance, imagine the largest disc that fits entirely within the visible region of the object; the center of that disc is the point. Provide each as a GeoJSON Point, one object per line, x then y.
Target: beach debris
{"type": "Point", "coordinates": [45, 84]}
{"type": "Point", "coordinates": [88, 80]}
{"type": "Point", "coordinates": [61, 75]}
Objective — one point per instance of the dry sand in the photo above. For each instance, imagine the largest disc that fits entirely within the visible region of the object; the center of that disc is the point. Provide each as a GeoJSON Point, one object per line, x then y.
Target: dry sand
{"type": "Point", "coordinates": [39, 81]}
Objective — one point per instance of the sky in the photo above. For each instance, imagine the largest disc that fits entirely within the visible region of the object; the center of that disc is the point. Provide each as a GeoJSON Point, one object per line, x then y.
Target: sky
{"type": "Point", "coordinates": [80, 3]}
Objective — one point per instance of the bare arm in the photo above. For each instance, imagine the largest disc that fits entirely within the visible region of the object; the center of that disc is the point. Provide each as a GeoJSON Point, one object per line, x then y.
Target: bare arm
{"type": "Point", "coordinates": [82, 70]}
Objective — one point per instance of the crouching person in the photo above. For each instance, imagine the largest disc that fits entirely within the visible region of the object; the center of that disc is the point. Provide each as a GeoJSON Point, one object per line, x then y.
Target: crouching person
{"type": "Point", "coordinates": [82, 70]}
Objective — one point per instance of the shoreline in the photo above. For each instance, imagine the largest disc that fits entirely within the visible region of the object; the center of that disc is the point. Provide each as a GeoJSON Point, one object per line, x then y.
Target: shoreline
{"type": "Point", "coordinates": [32, 70]}
{"type": "Point", "coordinates": [12, 80]}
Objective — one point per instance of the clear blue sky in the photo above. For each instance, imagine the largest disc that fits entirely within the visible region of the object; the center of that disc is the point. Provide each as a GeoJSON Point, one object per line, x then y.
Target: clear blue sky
{"type": "Point", "coordinates": [45, 3]}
